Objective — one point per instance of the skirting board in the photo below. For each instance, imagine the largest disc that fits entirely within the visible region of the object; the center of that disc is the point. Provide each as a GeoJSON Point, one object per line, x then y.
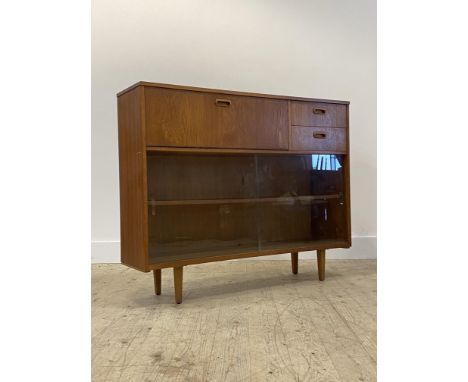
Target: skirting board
{"type": "Point", "coordinates": [364, 247]}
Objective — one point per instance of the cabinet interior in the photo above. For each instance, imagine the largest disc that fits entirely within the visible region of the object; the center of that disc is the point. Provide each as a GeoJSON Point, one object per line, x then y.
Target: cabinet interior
{"type": "Point", "coordinates": [216, 204]}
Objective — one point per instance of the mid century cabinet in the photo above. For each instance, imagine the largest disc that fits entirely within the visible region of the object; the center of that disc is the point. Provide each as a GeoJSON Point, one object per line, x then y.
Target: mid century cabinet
{"type": "Point", "coordinates": [209, 175]}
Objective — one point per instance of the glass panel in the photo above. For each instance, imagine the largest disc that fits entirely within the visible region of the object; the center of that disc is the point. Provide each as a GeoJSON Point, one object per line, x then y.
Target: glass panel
{"type": "Point", "coordinates": [206, 204]}
{"type": "Point", "coordinates": [294, 175]}
{"type": "Point", "coordinates": [327, 174]}
{"type": "Point", "coordinates": [189, 177]}
{"type": "Point", "coordinates": [187, 231]}
{"type": "Point", "coordinates": [285, 175]}
{"type": "Point", "coordinates": [284, 223]}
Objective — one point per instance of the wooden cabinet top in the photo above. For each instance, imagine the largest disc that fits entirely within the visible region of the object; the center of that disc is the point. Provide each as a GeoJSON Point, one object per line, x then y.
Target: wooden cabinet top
{"type": "Point", "coordinates": [229, 92]}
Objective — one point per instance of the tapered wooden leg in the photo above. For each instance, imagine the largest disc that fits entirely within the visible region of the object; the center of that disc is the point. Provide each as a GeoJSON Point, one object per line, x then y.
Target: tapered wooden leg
{"type": "Point", "coordinates": [178, 277]}
{"type": "Point", "coordinates": [157, 281]}
{"type": "Point", "coordinates": [294, 262]}
{"type": "Point", "coordinates": [321, 263]}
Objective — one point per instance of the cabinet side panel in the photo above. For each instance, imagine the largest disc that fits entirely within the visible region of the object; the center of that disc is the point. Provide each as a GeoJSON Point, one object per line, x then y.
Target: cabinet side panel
{"type": "Point", "coordinates": [132, 170]}
{"type": "Point", "coordinates": [347, 167]}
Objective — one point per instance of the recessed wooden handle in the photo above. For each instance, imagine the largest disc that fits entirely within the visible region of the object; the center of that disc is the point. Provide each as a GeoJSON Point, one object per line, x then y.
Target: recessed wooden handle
{"type": "Point", "coordinates": [223, 102]}
{"type": "Point", "coordinates": [320, 135]}
{"type": "Point", "coordinates": [318, 110]}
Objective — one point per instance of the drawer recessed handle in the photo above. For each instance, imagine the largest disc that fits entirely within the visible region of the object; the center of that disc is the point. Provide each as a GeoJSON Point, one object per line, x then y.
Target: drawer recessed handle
{"type": "Point", "coordinates": [320, 135]}
{"type": "Point", "coordinates": [318, 110]}
{"type": "Point", "coordinates": [223, 102]}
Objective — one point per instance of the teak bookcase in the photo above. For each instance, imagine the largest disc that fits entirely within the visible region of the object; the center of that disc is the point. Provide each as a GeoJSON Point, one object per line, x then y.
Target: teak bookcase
{"type": "Point", "coordinates": [209, 175]}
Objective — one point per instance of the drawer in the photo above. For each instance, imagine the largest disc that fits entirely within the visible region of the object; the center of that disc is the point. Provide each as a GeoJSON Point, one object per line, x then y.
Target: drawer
{"type": "Point", "coordinates": [184, 118]}
{"type": "Point", "coordinates": [329, 139]}
{"type": "Point", "coordinates": [318, 114]}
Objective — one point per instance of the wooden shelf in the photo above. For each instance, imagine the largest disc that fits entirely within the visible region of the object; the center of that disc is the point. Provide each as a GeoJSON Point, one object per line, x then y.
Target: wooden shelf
{"type": "Point", "coordinates": [280, 199]}
{"type": "Point", "coordinates": [230, 151]}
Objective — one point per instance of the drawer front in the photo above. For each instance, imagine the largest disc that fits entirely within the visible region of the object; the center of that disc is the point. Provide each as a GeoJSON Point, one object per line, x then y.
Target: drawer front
{"type": "Point", "coordinates": [328, 139]}
{"type": "Point", "coordinates": [318, 114]}
{"type": "Point", "coordinates": [184, 118]}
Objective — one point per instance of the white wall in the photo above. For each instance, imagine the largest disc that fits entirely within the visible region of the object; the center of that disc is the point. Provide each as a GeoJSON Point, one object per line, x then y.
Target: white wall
{"type": "Point", "coordinates": [317, 48]}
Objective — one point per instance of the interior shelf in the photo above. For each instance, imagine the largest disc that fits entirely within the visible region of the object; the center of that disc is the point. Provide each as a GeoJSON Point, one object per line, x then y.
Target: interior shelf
{"type": "Point", "coordinates": [280, 199]}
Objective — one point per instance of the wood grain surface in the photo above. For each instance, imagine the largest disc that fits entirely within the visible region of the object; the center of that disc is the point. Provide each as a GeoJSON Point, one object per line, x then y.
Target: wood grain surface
{"type": "Point", "coordinates": [132, 174]}
{"type": "Point", "coordinates": [240, 321]}
{"type": "Point", "coordinates": [318, 114]}
{"type": "Point", "coordinates": [318, 139]}
{"type": "Point", "coordinates": [194, 119]}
